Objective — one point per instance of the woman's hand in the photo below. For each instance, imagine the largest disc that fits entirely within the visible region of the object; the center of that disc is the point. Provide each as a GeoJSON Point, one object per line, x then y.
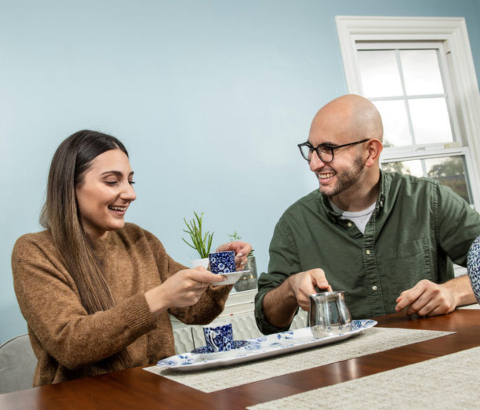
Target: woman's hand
{"type": "Point", "coordinates": [183, 289]}
{"type": "Point", "coordinates": [241, 249]}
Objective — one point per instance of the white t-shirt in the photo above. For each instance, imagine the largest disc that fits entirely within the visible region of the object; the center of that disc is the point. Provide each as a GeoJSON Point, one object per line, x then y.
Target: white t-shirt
{"type": "Point", "coordinates": [359, 218]}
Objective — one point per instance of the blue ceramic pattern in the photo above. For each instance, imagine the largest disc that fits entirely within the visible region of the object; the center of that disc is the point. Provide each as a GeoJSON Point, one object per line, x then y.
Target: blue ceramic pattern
{"type": "Point", "coordinates": [219, 338]}
{"type": "Point", "coordinates": [285, 335]}
{"type": "Point", "coordinates": [253, 346]}
{"type": "Point", "coordinates": [357, 324]}
{"type": "Point", "coordinates": [167, 362]}
{"type": "Point", "coordinates": [222, 262]}
{"type": "Point", "coordinates": [185, 359]}
{"type": "Point", "coordinates": [179, 360]}
{"type": "Point", "coordinates": [473, 267]}
{"type": "Point", "coordinates": [237, 344]}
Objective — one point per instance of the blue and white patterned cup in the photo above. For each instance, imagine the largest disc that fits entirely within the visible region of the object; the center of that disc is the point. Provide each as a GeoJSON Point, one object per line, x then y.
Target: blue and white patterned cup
{"type": "Point", "coordinates": [218, 338]}
{"type": "Point", "coordinates": [473, 267]}
{"type": "Point", "coordinates": [222, 262]}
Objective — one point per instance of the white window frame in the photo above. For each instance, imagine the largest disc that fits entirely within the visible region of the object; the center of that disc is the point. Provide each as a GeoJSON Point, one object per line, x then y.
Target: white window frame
{"type": "Point", "coordinates": [453, 33]}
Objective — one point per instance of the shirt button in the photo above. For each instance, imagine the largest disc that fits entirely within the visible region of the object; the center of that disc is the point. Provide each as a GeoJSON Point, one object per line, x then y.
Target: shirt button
{"type": "Point", "coordinates": [367, 251]}
{"type": "Point", "coordinates": [374, 288]}
{"type": "Point", "coordinates": [349, 224]}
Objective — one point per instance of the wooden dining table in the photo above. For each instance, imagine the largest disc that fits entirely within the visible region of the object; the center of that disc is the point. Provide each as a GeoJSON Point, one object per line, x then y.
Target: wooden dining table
{"type": "Point", "coordinates": [139, 389]}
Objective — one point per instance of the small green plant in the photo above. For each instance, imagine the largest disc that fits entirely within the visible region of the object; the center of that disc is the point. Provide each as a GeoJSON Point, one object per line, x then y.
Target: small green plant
{"type": "Point", "coordinates": [202, 243]}
{"type": "Point", "coordinates": [236, 237]}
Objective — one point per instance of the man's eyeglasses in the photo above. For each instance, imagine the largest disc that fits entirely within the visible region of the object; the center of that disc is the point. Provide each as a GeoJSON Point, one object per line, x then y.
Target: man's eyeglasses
{"type": "Point", "coordinates": [324, 152]}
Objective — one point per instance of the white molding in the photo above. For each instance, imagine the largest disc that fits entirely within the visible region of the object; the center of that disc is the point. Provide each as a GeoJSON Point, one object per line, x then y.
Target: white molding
{"type": "Point", "coordinates": [352, 28]}
{"type": "Point", "coordinates": [451, 30]}
{"type": "Point", "coordinates": [414, 26]}
{"type": "Point", "coordinates": [405, 155]}
{"type": "Point", "coordinates": [238, 298]}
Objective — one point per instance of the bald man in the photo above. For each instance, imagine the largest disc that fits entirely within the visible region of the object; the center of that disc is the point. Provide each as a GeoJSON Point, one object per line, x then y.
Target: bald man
{"type": "Point", "coordinates": [387, 240]}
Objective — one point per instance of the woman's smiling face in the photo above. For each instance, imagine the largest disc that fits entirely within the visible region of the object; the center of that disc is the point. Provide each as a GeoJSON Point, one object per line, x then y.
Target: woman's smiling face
{"type": "Point", "coordinates": [104, 194]}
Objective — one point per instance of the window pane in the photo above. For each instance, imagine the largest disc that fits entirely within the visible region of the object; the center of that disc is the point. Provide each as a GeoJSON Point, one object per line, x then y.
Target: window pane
{"type": "Point", "coordinates": [430, 121]}
{"type": "Point", "coordinates": [421, 72]}
{"type": "Point", "coordinates": [379, 73]}
{"type": "Point", "coordinates": [413, 168]}
{"type": "Point", "coordinates": [449, 171]}
{"type": "Point", "coordinates": [395, 124]}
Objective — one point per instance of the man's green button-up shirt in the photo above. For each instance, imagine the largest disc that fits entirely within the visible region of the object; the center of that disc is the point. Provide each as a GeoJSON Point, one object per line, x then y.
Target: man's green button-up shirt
{"type": "Point", "coordinates": [417, 229]}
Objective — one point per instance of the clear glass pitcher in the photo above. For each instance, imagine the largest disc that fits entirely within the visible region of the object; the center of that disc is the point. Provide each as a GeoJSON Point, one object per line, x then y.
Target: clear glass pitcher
{"type": "Point", "coordinates": [329, 314]}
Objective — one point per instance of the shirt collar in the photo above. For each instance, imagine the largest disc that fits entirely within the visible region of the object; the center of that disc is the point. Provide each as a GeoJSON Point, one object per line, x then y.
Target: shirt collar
{"type": "Point", "coordinates": [384, 188]}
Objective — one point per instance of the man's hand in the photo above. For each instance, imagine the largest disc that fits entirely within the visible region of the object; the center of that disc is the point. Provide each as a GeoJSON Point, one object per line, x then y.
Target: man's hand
{"type": "Point", "coordinates": [303, 285]}
{"type": "Point", "coordinates": [280, 304]}
{"type": "Point", "coordinates": [427, 299]}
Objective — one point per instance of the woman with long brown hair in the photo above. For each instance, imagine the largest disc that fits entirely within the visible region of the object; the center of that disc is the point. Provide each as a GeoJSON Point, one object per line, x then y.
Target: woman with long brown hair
{"type": "Point", "coordinates": [96, 291]}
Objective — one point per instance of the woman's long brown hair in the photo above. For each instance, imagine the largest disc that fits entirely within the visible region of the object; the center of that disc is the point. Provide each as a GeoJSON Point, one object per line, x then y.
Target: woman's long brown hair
{"type": "Point", "coordinates": [61, 216]}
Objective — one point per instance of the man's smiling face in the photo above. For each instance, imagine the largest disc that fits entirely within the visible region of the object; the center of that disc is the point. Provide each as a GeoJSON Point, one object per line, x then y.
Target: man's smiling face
{"type": "Point", "coordinates": [332, 128]}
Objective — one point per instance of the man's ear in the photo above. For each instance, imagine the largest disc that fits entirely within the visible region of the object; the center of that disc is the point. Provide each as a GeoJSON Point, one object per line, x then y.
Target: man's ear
{"type": "Point", "coordinates": [375, 147]}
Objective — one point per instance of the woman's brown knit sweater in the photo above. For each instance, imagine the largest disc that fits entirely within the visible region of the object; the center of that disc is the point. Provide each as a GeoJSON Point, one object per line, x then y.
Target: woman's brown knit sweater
{"type": "Point", "coordinates": [68, 342]}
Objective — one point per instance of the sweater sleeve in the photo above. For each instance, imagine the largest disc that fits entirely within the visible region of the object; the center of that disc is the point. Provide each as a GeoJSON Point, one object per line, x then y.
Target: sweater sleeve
{"type": "Point", "coordinates": [210, 305]}
{"type": "Point", "coordinates": [50, 302]}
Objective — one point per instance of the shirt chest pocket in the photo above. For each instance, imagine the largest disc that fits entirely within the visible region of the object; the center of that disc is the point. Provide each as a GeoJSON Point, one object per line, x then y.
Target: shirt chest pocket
{"type": "Point", "coordinates": [405, 264]}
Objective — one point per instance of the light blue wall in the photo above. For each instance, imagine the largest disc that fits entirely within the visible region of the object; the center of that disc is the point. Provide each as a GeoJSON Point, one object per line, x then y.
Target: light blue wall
{"type": "Point", "coordinates": [210, 98]}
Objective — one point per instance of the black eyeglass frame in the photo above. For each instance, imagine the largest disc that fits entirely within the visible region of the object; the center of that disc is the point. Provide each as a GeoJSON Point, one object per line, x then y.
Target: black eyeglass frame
{"type": "Point", "coordinates": [331, 148]}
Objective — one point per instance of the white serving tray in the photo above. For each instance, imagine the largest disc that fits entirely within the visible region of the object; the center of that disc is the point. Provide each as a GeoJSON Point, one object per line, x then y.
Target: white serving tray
{"type": "Point", "coordinates": [261, 347]}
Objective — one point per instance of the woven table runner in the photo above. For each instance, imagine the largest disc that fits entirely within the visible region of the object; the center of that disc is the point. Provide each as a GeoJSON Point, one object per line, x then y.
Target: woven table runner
{"type": "Point", "coordinates": [370, 341]}
{"type": "Point", "coordinates": [447, 382]}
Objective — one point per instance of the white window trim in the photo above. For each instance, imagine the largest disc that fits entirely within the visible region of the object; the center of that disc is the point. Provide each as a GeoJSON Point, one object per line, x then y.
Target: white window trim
{"type": "Point", "coordinates": [453, 31]}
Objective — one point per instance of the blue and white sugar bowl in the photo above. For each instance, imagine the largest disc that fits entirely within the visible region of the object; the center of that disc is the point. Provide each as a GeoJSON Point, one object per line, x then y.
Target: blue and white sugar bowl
{"type": "Point", "coordinates": [473, 267]}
